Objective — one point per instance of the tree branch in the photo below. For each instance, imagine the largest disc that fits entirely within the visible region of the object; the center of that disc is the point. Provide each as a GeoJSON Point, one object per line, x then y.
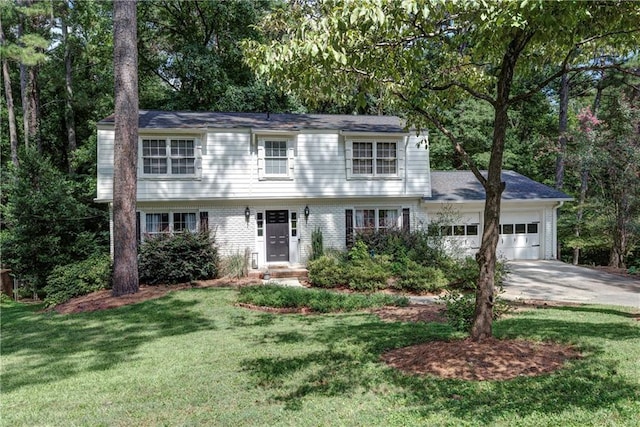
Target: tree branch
{"type": "Point", "coordinates": [446, 132]}
{"type": "Point", "coordinates": [464, 87]}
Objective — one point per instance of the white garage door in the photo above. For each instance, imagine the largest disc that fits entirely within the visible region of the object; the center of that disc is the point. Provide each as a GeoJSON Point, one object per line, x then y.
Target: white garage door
{"type": "Point", "coordinates": [519, 236]}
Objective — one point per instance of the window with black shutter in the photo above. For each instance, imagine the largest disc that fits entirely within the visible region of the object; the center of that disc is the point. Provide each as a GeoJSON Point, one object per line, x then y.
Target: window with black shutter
{"type": "Point", "coordinates": [204, 221]}
{"type": "Point", "coordinates": [348, 218]}
{"type": "Point", "coordinates": [406, 225]}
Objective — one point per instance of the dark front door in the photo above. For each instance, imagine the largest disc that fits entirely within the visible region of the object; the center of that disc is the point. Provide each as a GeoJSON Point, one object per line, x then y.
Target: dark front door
{"type": "Point", "coordinates": [277, 236]}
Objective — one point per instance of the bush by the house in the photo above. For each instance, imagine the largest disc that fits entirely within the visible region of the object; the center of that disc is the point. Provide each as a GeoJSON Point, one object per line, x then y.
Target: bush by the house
{"type": "Point", "coordinates": [366, 271]}
{"type": "Point", "coordinates": [317, 248]}
{"type": "Point", "coordinates": [326, 271]}
{"type": "Point", "coordinates": [178, 258]}
{"type": "Point", "coordinates": [414, 277]}
{"type": "Point", "coordinates": [76, 279]}
{"type": "Point", "coordinates": [235, 265]}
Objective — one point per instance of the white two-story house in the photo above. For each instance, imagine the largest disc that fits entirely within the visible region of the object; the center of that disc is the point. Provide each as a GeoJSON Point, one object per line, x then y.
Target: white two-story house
{"type": "Point", "coordinates": [266, 181]}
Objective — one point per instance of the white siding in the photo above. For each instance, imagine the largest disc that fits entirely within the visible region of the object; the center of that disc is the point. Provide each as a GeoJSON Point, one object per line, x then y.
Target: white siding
{"type": "Point", "coordinates": [105, 164]}
{"type": "Point", "coordinates": [230, 171]}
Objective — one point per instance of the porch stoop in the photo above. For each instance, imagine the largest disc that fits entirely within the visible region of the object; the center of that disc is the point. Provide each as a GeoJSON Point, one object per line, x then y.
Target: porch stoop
{"type": "Point", "coordinates": [276, 272]}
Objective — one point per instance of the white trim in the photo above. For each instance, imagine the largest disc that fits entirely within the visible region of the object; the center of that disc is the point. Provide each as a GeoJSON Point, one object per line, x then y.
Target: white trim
{"type": "Point", "coordinates": [291, 143]}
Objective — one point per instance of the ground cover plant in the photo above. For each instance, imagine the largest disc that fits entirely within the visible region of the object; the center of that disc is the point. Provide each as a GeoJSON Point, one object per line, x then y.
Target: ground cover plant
{"type": "Point", "coordinates": [317, 300]}
{"type": "Point", "coordinates": [194, 357]}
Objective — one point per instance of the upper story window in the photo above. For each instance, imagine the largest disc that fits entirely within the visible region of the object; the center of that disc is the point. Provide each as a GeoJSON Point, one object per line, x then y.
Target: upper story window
{"type": "Point", "coordinates": [373, 159]}
{"type": "Point", "coordinates": [275, 158]}
{"type": "Point", "coordinates": [169, 156]}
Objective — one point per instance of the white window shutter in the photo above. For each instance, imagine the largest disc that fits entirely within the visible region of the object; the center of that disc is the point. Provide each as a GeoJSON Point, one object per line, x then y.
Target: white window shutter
{"type": "Point", "coordinates": [260, 159]}
{"type": "Point", "coordinates": [198, 154]}
{"type": "Point", "coordinates": [401, 158]}
{"type": "Point", "coordinates": [348, 155]}
{"type": "Point", "coordinates": [291, 152]}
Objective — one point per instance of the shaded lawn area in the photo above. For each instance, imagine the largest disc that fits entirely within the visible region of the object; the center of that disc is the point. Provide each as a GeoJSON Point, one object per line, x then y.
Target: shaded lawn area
{"type": "Point", "coordinates": [195, 358]}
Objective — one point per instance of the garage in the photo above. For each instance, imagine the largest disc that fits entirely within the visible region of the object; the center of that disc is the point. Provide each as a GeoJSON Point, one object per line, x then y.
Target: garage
{"type": "Point", "coordinates": [519, 236]}
{"type": "Point", "coordinates": [528, 221]}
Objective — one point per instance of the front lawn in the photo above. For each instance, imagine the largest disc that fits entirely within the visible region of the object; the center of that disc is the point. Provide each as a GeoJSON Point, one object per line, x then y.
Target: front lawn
{"type": "Point", "coordinates": [195, 358]}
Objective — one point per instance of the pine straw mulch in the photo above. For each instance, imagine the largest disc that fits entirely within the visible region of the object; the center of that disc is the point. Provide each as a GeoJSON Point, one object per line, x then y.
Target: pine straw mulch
{"type": "Point", "coordinates": [103, 300]}
{"type": "Point", "coordinates": [491, 359]}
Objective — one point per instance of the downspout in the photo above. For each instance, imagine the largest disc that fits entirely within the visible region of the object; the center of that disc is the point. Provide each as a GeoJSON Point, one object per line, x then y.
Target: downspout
{"type": "Point", "coordinates": [406, 172]}
{"type": "Point", "coordinates": [555, 231]}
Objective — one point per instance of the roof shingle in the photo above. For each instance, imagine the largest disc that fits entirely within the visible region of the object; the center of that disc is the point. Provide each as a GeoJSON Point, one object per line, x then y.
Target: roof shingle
{"type": "Point", "coordinates": [458, 186]}
{"type": "Point", "coordinates": [153, 119]}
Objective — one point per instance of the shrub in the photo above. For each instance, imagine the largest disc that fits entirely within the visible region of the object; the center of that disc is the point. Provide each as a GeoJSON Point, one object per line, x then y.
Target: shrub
{"type": "Point", "coordinates": [76, 279]}
{"type": "Point", "coordinates": [319, 300]}
{"type": "Point", "coordinates": [317, 249]}
{"type": "Point", "coordinates": [460, 308]}
{"type": "Point", "coordinates": [177, 258]}
{"type": "Point", "coordinates": [48, 220]}
{"type": "Point", "coordinates": [412, 276]}
{"type": "Point", "coordinates": [235, 266]}
{"type": "Point", "coordinates": [326, 271]}
{"type": "Point", "coordinates": [462, 274]}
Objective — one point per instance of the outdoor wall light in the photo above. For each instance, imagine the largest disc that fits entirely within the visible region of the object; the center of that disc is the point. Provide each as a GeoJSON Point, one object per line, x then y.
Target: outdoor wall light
{"type": "Point", "coordinates": [247, 213]}
{"type": "Point", "coordinates": [306, 212]}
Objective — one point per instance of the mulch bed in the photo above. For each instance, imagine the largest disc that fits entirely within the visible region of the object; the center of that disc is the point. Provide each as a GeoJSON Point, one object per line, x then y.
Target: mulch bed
{"type": "Point", "coordinates": [491, 359]}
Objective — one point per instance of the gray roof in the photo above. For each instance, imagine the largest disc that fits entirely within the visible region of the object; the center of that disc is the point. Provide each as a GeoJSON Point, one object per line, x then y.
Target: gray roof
{"type": "Point", "coordinates": [285, 122]}
{"type": "Point", "coordinates": [459, 186]}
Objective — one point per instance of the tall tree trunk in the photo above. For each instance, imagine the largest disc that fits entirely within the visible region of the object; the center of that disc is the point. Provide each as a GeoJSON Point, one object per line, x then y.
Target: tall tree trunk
{"type": "Point", "coordinates": [493, 185]}
{"type": "Point", "coordinates": [584, 175]}
{"type": "Point", "coordinates": [619, 247]}
{"type": "Point", "coordinates": [125, 264]}
{"type": "Point", "coordinates": [584, 187]}
{"type": "Point", "coordinates": [11, 113]}
{"type": "Point", "coordinates": [563, 122]}
{"type": "Point", "coordinates": [33, 111]}
{"type": "Point", "coordinates": [68, 98]}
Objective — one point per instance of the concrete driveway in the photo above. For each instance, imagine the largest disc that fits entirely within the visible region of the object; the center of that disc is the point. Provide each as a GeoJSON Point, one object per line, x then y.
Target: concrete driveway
{"type": "Point", "coordinates": [557, 281]}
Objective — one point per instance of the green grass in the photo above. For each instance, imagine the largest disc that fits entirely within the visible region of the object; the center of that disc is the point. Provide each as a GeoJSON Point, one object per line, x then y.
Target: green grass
{"type": "Point", "coordinates": [194, 358]}
{"type": "Point", "coordinates": [318, 300]}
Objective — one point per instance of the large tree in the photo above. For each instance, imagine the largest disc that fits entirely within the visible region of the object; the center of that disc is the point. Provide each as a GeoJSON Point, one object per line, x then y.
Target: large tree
{"type": "Point", "coordinates": [429, 55]}
{"type": "Point", "coordinates": [125, 247]}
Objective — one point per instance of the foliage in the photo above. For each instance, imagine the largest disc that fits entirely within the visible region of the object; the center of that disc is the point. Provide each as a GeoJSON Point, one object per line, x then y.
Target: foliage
{"type": "Point", "coordinates": [460, 308]}
{"type": "Point", "coordinates": [327, 271]}
{"type": "Point", "coordinates": [76, 279]}
{"type": "Point", "coordinates": [177, 258]}
{"type": "Point", "coordinates": [318, 300]}
{"type": "Point", "coordinates": [48, 222]}
{"type": "Point", "coordinates": [366, 271]}
{"type": "Point", "coordinates": [317, 248]}
{"type": "Point", "coordinates": [191, 55]}
{"type": "Point", "coordinates": [396, 243]}
{"type": "Point", "coordinates": [235, 265]}
{"type": "Point", "coordinates": [414, 277]}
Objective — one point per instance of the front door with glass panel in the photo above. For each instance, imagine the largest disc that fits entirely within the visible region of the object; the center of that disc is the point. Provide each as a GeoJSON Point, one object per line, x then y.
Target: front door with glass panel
{"type": "Point", "coordinates": [277, 236]}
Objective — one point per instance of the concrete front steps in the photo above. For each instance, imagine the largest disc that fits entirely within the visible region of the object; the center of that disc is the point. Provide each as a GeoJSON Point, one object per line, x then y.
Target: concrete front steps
{"type": "Point", "coordinates": [280, 272]}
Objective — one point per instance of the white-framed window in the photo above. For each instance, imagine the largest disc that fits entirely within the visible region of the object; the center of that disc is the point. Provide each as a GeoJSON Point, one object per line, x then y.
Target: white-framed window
{"type": "Point", "coordinates": [370, 219]}
{"type": "Point", "coordinates": [169, 156]}
{"type": "Point", "coordinates": [275, 158]}
{"type": "Point", "coordinates": [459, 230]}
{"type": "Point", "coordinates": [170, 222]}
{"type": "Point", "coordinates": [374, 159]}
